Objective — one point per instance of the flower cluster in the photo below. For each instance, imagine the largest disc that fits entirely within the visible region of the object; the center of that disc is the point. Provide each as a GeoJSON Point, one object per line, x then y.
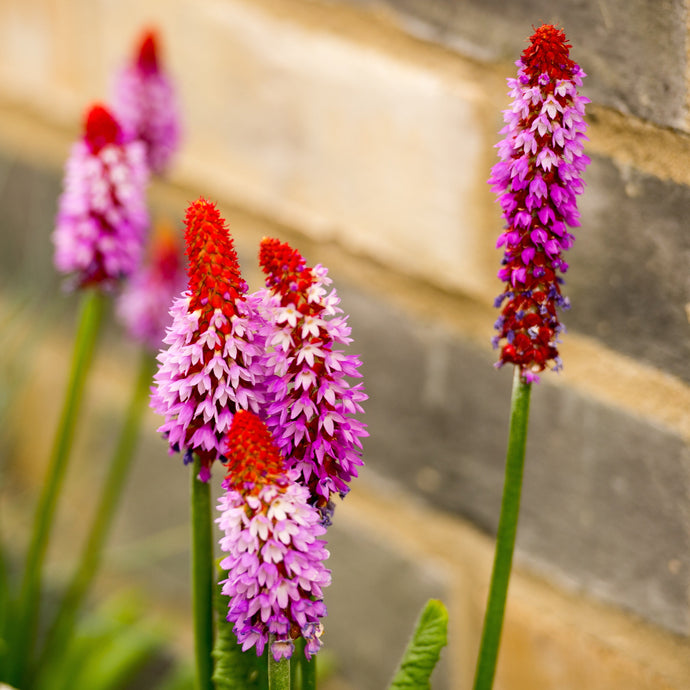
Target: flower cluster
{"type": "Point", "coordinates": [275, 560]}
{"type": "Point", "coordinates": [102, 216]}
{"type": "Point", "coordinates": [310, 403]}
{"type": "Point", "coordinates": [144, 100]}
{"type": "Point", "coordinates": [211, 366]}
{"type": "Point", "coordinates": [537, 179]}
{"type": "Point", "coordinates": [144, 303]}
{"type": "Point", "coordinates": [257, 381]}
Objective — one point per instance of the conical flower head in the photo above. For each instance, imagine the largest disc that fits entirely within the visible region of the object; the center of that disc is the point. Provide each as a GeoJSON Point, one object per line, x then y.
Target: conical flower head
{"type": "Point", "coordinates": [144, 304]}
{"type": "Point", "coordinates": [538, 179]}
{"type": "Point", "coordinates": [102, 216]}
{"type": "Point", "coordinates": [311, 404]}
{"type": "Point", "coordinates": [144, 100]}
{"type": "Point", "coordinates": [275, 560]}
{"type": "Point", "coordinates": [147, 59]}
{"type": "Point", "coordinates": [211, 367]}
{"type": "Point", "coordinates": [215, 279]}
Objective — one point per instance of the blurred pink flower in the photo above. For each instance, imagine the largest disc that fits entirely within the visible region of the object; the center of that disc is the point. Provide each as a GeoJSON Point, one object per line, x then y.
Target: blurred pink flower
{"type": "Point", "coordinates": [144, 305]}
{"type": "Point", "coordinates": [144, 101]}
{"type": "Point", "coordinates": [102, 215]}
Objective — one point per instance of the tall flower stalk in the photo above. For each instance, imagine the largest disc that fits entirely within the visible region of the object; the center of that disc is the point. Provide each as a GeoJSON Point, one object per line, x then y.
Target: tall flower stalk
{"type": "Point", "coordinates": [143, 307]}
{"type": "Point", "coordinates": [202, 578]}
{"type": "Point", "coordinates": [210, 370]}
{"type": "Point", "coordinates": [537, 178]}
{"type": "Point", "coordinates": [98, 237]}
{"type": "Point", "coordinates": [505, 535]}
{"type": "Point", "coordinates": [30, 595]}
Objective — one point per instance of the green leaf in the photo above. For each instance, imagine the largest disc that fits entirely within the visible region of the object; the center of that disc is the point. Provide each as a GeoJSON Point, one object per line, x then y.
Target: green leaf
{"type": "Point", "coordinates": [234, 669]}
{"type": "Point", "coordinates": [424, 649]}
{"type": "Point", "coordinates": [109, 648]}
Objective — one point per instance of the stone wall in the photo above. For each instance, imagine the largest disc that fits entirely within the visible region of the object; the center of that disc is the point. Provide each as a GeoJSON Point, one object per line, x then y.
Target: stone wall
{"type": "Point", "coordinates": [363, 131]}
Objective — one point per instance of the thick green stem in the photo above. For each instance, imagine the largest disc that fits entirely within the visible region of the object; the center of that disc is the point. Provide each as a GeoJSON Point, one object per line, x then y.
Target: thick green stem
{"type": "Point", "coordinates": [295, 666]}
{"type": "Point", "coordinates": [505, 538]}
{"type": "Point", "coordinates": [106, 507]}
{"type": "Point", "coordinates": [302, 670]}
{"type": "Point", "coordinates": [308, 667]}
{"type": "Point", "coordinates": [202, 579]}
{"type": "Point", "coordinates": [278, 671]}
{"type": "Point", "coordinates": [262, 680]}
{"type": "Point", "coordinates": [89, 326]}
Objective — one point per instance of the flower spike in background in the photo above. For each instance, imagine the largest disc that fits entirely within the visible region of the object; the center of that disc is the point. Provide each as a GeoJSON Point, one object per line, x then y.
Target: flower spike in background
{"type": "Point", "coordinates": [144, 304]}
{"type": "Point", "coordinates": [312, 404]}
{"type": "Point", "coordinates": [275, 560]}
{"type": "Point", "coordinates": [144, 100]}
{"type": "Point", "coordinates": [538, 179]}
{"type": "Point", "coordinates": [102, 216]}
{"type": "Point", "coordinates": [211, 366]}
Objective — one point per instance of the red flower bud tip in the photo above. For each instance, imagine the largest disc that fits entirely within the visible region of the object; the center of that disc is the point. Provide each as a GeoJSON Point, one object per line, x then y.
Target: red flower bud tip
{"type": "Point", "coordinates": [287, 273]}
{"type": "Point", "coordinates": [214, 271]}
{"type": "Point", "coordinates": [548, 52]}
{"type": "Point", "coordinates": [101, 129]}
{"type": "Point", "coordinates": [253, 458]}
{"type": "Point", "coordinates": [147, 60]}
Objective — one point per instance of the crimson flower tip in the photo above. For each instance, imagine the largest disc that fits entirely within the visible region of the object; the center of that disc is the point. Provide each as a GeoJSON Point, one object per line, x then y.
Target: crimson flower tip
{"type": "Point", "coordinates": [101, 128]}
{"type": "Point", "coordinates": [548, 53]}
{"type": "Point", "coordinates": [147, 59]}
{"type": "Point", "coordinates": [253, 459]}
{"type": "Point", "coordinates": [215, 280]}
{"type": "Point", "coordinates": [285, 268]}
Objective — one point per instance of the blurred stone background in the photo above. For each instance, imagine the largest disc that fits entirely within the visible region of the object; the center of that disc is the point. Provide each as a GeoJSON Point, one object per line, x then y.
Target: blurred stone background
{"type": "Point", "coordinates": [362, 131]}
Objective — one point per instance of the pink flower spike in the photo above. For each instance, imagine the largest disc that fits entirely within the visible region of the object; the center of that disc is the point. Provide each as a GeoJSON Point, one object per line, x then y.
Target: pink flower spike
{"type": "Point", "coordinates": [211, 367]}
{"type": "Point", "coordinates": [538, 199]}
{"type": "Point", "coordinates": [144, 304]}
{"type": "Point", "coordinates": [312, 413]}
{"type": "Point", "coordinates": [144, 100]}
{"type": "Point", "coordinates": [275, 558]}
{"type": "Point", "coordinates": [102, 216]}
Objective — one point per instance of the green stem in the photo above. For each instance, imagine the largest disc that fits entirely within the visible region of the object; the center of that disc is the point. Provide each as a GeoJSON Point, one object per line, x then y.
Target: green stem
{"type": "Point", "coordinates": [308, 667]}
{"type": "Point", "coordinates": [262, 681]}
{"type": "Point", "coordinates": [6, 612]}
{"type": "Point", "coordinates": [505, 537]}
{"type": "Point", "coordinates": [302, 670]}
{"type": "Point", "coordinates": [296, 666]}
{"type": "Point", "coordinates": [278, 671]}
{"type": "Point", "coordinates": [202, 579]}
{"type": "Point", "coordinates": [89, 325]}
{"type": "Point", "coordinates": [63, 625]}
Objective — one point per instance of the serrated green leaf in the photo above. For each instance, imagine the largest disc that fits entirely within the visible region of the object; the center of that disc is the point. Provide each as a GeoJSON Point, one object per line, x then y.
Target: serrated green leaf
{"type": "Point", "coordinates": [424, 649]}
